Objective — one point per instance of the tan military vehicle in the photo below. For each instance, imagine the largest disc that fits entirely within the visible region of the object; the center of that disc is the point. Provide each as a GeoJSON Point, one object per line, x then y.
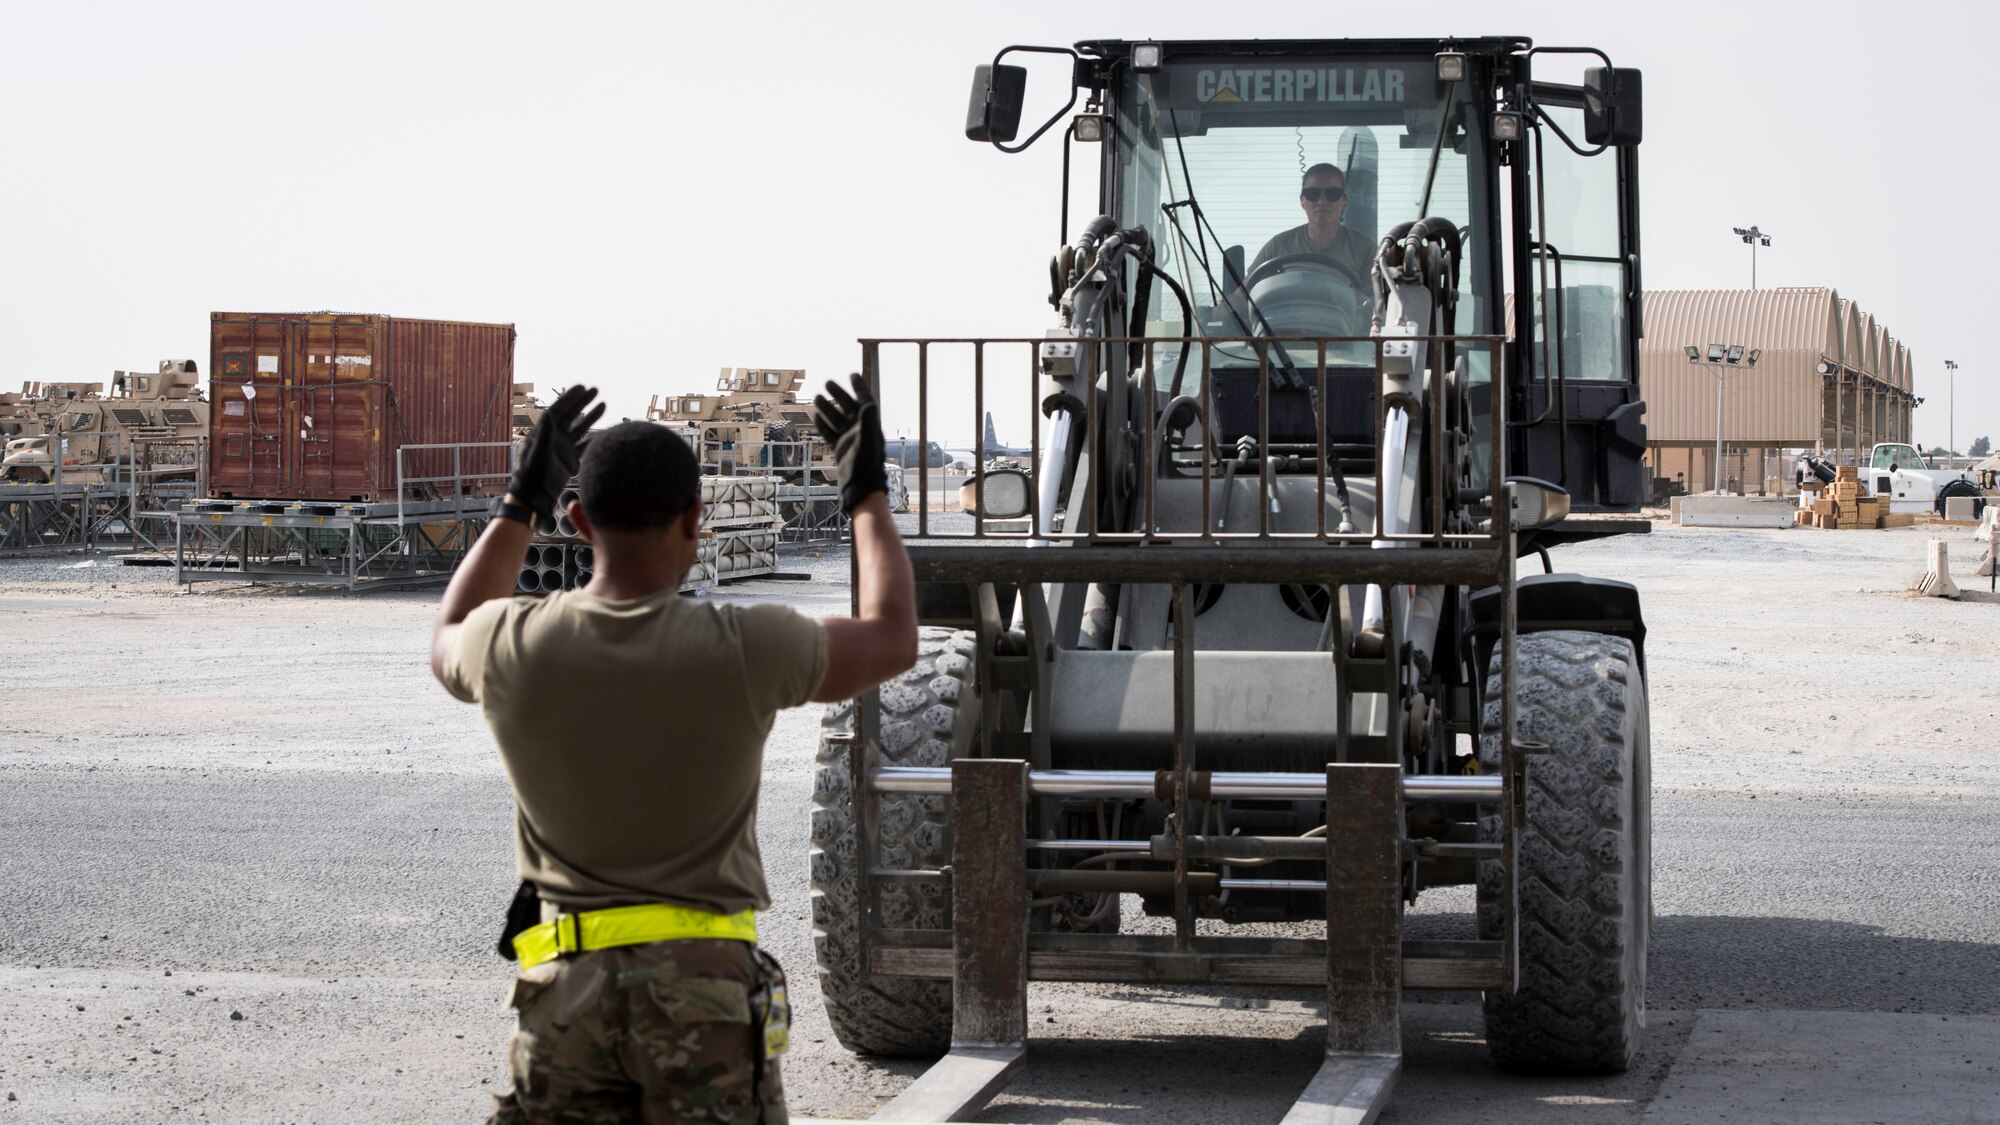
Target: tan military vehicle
{"type": "Point", "coordinates": [753, 423]}
{"type": "Point", "coordinates": [757, 423]}
{"type": "Point", "coordinates": [17, 414]}
{"type": "Point", "coordinates": [158, 417]}
{"type": "Point", "coordinates": [527, 411]}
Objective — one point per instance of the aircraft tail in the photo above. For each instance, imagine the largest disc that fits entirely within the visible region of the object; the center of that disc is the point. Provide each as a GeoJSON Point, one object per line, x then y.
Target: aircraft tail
{"type": "Point", "coordinates": [992, 440]}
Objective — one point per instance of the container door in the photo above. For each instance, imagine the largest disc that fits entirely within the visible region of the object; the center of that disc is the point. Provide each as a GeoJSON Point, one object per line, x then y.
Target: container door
{"type": "Point", "coordinates": [248, 414]}
{"type": "Point", "coordinates": [330, 422]}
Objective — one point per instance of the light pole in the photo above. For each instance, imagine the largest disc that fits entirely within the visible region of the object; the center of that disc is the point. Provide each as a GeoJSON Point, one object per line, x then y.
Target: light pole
{"type": "Point", "coordinates": [1719, 357]}
{"type": "Point", "coordinates": [1951, 409]}
{"type": "Point", "coordinates": [1754, 238]}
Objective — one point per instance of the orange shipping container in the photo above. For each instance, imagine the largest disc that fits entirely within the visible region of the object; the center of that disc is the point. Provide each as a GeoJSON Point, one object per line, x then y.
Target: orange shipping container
{"type": "Point", "coordinates": [313, 406]}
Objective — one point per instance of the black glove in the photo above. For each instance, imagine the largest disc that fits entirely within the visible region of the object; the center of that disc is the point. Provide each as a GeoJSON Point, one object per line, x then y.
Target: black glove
{"type": "Point", "coordinates": [550, 458]}
{"type": "Point", "coordinates": [852, 425]}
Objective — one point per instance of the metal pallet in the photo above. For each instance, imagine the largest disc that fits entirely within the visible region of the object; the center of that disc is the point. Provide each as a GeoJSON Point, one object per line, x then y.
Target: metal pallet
{"type": "Point", "coordinates": [274, 541]}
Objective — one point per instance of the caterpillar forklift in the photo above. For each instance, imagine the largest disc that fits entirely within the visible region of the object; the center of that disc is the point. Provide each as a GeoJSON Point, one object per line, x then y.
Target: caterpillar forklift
{"type": "Point", "coordinates": [1270, 632]}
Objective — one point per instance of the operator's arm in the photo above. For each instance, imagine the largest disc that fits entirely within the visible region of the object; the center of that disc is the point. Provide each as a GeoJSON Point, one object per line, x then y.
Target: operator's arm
{"type": "Point", "coordinates": [547, 463]}
{"type": "Point", "coordinates": [865, 650]}
{"type": "Point", "coordinates": [881, 639]}
{"type": "Point", "coordinates": [489, 571]}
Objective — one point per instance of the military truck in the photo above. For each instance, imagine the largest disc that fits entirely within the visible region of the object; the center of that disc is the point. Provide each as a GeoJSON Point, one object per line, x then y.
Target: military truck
{"type": "Point", "coordinates": [527, 410]}
{"type": "Point", "coordinates": [1261, 655]}
{"type": "Point", "coordinates": [154, 418]}
{"type": "Point", "coordinates": [757, 422]}
{"type": "Point", "coordinates": [753, 423]}
{"type": "Point", "coordinates": [17, 413]}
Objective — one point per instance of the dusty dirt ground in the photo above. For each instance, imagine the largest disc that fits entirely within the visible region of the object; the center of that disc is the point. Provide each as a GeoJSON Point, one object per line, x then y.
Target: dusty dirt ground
{"type": "Point", "coordinates": [256, 858]}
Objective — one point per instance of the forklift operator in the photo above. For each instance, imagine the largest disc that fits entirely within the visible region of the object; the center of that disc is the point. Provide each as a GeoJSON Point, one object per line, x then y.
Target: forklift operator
{"type": "Point", "coordinates": [1323, 197]}
{"type": "Point", "coordinates": [631, 722]}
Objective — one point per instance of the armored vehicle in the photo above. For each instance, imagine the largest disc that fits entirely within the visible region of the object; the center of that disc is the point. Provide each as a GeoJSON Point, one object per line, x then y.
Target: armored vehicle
{"type": "Point", "coordinates": [1261, 654]}
{"type": "Point", "coordinates": [527, 411]}
{"type": "Point", "coordinates": [754, 423]}
{"type": "Point", "coordinates": [17, 413]}
{"type": "Point", "coordinates": [155, 419]}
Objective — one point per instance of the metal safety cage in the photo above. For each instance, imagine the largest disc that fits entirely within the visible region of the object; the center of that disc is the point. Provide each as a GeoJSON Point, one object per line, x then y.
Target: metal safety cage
{"type": "Point", "coordinates": [1364, 893]}
{"type": "Point", "coordinates": [1281, 353]}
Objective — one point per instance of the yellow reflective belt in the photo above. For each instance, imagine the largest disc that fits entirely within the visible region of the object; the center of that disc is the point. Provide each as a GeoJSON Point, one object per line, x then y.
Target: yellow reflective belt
{"type": "Point", "coordinates": [628, 925]}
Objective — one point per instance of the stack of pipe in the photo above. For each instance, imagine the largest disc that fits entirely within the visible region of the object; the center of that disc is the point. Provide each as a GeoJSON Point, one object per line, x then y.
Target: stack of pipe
{"type": "Point", "coordinates": [742, 554]}
{"type": "Point", "coordinates": [741, 512]}
{"type": "Point", "coordinates": [565, 528]}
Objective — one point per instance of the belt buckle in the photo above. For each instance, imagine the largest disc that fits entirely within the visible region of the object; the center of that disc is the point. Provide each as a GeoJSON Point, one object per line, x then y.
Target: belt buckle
{"type": "Point", "coordinates": [572, 924]}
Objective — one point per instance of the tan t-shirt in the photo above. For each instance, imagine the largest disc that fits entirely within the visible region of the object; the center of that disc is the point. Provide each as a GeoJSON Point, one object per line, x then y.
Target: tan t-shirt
{"type": "Point", "coordinates": [634, 735]}
{"type": "Point", "coordinates": [1349, 249]}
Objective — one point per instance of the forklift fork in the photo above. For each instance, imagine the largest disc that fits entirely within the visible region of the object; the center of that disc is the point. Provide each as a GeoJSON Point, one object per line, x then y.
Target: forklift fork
{"type": "Point", "coordinates": [989, 884]}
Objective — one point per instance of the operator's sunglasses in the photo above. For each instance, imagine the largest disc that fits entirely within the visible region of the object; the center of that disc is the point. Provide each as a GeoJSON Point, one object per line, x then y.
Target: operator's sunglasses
{"type": "Point", "coordinates": [1312, 194]}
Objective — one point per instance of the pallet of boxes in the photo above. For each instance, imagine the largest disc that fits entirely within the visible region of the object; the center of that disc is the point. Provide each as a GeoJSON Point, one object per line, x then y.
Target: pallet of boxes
{"type": "Point", "coordinates": [739, 522]}
{"type": "Point", "coordinates": [1842, 506]}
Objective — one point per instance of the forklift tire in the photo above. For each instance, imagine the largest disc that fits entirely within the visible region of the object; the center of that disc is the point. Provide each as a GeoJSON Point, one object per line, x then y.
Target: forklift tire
{"type": "Point", "coordinates": [1585, 857]}
{"type": "Point", "coordinates": [930, 715]}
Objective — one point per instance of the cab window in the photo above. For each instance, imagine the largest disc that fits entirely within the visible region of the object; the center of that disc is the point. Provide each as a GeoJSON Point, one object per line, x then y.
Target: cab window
{"type": "Point", "coordinates": [1897, 456]}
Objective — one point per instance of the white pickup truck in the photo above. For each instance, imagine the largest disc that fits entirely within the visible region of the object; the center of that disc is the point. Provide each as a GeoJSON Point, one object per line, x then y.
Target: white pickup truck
{"type": "Point", "coordinates": [1898, 473]}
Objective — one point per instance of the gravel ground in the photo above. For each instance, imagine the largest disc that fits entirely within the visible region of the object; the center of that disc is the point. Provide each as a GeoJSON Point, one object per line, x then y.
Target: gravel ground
{"type": "Point", "coordinates": [257, 857]}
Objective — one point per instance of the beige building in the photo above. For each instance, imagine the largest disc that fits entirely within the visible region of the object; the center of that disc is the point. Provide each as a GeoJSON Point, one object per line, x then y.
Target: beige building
{"type": "Point", "coordinates": [1826, 376]}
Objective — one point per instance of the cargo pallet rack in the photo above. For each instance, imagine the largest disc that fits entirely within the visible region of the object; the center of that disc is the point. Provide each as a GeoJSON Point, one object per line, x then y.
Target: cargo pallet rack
{"type": "Point", "coordinates": [739, 514]}
{"type": "Point", "coordinates": [99, 507]}
{"type": "Point", "coordinates": [812, 512]}
{"type": "Point", "coordinates": [413, 540]}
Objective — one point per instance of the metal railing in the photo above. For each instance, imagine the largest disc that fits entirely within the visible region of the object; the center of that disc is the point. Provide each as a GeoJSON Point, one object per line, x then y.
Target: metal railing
{"type": "Point", "coordinates": [463, 482]}
{"type": "Point", "coordinates": [1299, 364]}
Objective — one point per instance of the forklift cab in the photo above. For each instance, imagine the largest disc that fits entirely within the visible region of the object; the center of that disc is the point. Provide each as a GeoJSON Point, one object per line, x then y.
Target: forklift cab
{"type": "Point", "coordinates": [1212, 147]}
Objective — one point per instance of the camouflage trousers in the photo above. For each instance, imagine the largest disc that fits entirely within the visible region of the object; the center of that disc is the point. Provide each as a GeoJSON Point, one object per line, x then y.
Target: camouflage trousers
{"type": "Point", "coordinates": [668, 1031]}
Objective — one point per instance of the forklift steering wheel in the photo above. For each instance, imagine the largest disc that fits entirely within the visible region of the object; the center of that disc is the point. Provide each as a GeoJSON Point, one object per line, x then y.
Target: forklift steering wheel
{"type": "Point", "coordinates": [1277, 265]}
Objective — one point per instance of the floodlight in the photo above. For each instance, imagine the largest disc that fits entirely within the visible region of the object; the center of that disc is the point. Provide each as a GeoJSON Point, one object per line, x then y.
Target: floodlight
{"type": "Point", "coordinates": [1694, 353]}
{"type": "Point", "coordinates": [1507, 126]}
{"type": "Point", "coordinates": [1824, 368]}
{"type": "Point", "coordinates": [1736, 353]}
{"type": "Point", "coordinates": [1089, 127]}
{"type": "Point", "coordinates": [1146, 57]}
{"type": "Point", "coordinates": [1754, 353]}
{"type": "Point", "coordinates": [1451, 66]}
{"type": "Point", "coordinates": [1716, 352]}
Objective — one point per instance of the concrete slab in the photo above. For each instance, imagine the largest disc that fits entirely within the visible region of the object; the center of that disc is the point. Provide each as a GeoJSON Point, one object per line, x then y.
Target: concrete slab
{"type": "Point", "coordinates": [1783, 1067]}
{"type": "Point", "coordinates": [1735, 511]}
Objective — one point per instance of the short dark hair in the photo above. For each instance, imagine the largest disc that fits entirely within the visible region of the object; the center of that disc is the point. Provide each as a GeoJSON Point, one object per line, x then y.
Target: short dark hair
{"type": "Point", "coordinates": [1322, 167]}
{"type": "Point", "coordinates": [637, 476]}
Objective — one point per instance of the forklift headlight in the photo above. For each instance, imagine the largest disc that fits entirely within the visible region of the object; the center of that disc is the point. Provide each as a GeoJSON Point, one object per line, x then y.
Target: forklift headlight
{"type": "Point", "coordinates": [1451, 66]}
{"type": "Point", "coordinates": [1537, 503]}
{"type": "Point", "coordinates": [1089, 127]}
{"type": "Point", "coordinates": [1146, 57]}
{"type": "Point", "coordinates": [1507, 126]}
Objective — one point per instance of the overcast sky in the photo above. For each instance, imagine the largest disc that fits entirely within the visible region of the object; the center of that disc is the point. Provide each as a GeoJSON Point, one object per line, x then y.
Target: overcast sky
{"type": "Point", "coordinates": [653, 191]}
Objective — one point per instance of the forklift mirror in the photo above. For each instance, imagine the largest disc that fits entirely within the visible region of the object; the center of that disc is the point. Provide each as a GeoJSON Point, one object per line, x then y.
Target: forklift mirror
{"type": "Point", "coordinates": [998, 92]}
{"type": "Point", "coordinates": [1613, 112]}
{"type": "Point", "coordinates": [1537, 503]}
{"type": "Point", "coordinates": [1003, 494]}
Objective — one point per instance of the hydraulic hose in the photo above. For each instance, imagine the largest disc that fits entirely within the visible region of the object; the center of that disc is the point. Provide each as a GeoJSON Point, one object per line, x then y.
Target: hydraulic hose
{"type": "Point", "coordinates": [1187, 319]}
